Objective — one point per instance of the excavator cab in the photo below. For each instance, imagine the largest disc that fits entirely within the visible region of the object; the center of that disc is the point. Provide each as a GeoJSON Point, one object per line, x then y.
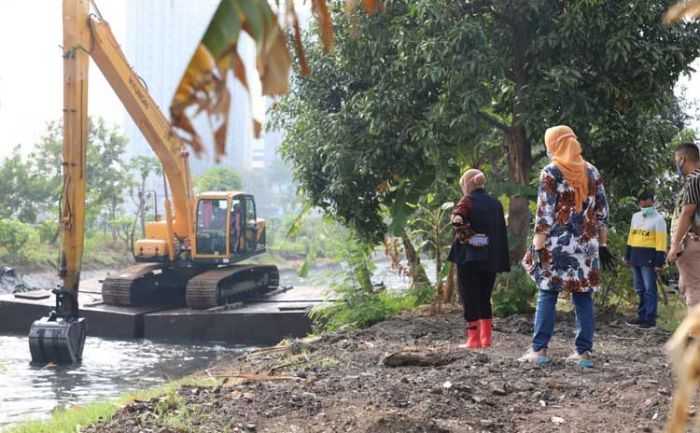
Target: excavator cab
{"type": "Point", "coordinates": [227, 228]}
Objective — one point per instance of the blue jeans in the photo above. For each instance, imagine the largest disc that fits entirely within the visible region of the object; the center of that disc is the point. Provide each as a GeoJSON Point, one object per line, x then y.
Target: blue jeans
{"type": "Point", "coordinates": [645, 285]}
{"type": "Point", "coordinates": [546, 314]}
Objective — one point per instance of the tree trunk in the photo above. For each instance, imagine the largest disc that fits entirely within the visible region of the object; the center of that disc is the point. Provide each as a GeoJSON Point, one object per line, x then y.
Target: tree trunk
{"type": "Point", "coordinates": [449, 295]}
{"type": "Point", "coordinates": [519, 164]}
{"type": "Point", "coordinates": [516, 144]}
{"type": "Point", "coordinates": [142, 207]}
{"type": "Point", "coordinates": [438, 260]}
{"type": "Point", "coordinates": [416, 269]}
{"type": "Point", "coordinates": [113, 216]}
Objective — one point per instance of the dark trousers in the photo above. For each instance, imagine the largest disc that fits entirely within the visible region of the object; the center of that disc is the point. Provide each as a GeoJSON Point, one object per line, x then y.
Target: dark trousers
{"type": "Point", "coordinates": [475, 287]}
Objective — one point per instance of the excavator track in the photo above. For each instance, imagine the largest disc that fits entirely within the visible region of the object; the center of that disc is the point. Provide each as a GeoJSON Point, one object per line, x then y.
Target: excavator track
{"type": "Point", "coordinates": [144, 284]}
{"type": "Point", "coordinates": [230, 284]}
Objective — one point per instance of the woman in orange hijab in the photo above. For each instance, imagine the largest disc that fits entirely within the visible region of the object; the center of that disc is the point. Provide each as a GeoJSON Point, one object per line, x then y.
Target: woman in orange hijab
{"type": "Point", "coordinates": [569, 244]}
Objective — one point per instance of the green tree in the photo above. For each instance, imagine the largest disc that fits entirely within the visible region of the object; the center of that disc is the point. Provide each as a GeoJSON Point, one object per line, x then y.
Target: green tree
{"type": "Point", "coordinates": [107, 173]}
{"type": "Point", "coordinates": [395, 114]}
{"type": "Point", "coordinates": [21, 188]}
{"type": "Point", "coordinates": [219, 179]}
{"type": "Point", "coordinates": [13, 235]}
{"type": "Point", "coordinates": [47, 164]}
{"type": "Point", "coordinates": [144, 167]}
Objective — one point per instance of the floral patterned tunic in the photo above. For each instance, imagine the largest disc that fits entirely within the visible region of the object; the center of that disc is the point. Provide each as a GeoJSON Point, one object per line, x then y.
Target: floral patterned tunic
{"type": "Point", "coordinates": [570, 259]}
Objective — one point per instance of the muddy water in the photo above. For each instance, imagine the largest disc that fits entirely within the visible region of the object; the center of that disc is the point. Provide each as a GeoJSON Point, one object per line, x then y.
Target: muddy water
{"type": "Point", "coordinates": [115, 367]}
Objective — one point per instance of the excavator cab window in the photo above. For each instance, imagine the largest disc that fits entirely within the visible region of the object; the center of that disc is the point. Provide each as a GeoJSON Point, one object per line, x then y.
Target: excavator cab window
{"type": "Point", "coordinates": [251, 225]}
{"type": "Point", "coordinates": [236, 224]}
{"type": "Point", "coordinates": [211, 226]}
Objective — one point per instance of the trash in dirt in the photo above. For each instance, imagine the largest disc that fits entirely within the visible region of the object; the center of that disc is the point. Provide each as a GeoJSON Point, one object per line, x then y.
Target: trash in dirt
{"type": "Point", "coordinates": [557, 420]}
{"type": "Point", "coordinates": [498, 389]}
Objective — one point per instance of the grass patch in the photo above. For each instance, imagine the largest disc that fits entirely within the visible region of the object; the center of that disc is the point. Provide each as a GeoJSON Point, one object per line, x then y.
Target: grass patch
{"type": "Point", "coordinates": [670, 316]}
{"type": "Point", "coordinates": [359, 309]}
{"type": "Point", "coordinates": [74, 418]}
{"type": "Point", "coordinates": [70, 420]}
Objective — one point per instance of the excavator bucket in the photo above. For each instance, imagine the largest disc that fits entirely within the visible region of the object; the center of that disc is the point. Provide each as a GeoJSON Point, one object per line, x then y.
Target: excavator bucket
{"type": "Point", "coordinates": [57, 339]}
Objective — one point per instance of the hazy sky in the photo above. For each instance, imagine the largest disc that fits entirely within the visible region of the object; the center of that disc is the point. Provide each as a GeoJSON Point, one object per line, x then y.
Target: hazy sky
{"type": "Point", "coordinates": [31, 76]}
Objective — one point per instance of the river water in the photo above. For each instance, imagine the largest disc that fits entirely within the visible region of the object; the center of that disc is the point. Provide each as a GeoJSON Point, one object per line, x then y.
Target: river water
{"type": "Point", "coordinates": [115, 367]}
{"type": "Point", "coordinates": [118, 367]}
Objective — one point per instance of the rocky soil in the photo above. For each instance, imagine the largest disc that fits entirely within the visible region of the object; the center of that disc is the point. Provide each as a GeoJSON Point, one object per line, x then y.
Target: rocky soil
{"type": "Point", "coordinates": [342, 383]}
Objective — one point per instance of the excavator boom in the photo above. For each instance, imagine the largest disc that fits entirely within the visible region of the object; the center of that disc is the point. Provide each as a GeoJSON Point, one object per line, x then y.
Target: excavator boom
{"type": "Point", "coordinates": [174, 268]}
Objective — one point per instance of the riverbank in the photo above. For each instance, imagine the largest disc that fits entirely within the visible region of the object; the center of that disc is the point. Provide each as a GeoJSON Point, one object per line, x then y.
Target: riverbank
{"type": "Point", "coordinates": [343, 382]}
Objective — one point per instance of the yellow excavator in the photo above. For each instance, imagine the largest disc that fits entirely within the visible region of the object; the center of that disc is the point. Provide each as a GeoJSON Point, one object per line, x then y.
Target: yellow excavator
{"type": "Point", "coordinates": [189, 257]}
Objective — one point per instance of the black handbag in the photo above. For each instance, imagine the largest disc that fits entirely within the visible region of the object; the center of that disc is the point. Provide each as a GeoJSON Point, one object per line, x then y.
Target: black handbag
{"type": "Point", "coordinates": [469, 247]}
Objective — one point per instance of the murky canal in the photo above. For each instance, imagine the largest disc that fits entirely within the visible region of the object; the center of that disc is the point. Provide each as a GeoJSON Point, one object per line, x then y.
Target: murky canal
{"type": "Point", "coordinates": [114, 367]}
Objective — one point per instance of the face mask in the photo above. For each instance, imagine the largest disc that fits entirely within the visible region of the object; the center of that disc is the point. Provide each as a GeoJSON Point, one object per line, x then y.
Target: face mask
{"type": "Point", "coordinates": [679, 169]}
{"type": "Point", "coordinates": [549, 155]}
{"type": "Point", "coordinates": [647, 211]}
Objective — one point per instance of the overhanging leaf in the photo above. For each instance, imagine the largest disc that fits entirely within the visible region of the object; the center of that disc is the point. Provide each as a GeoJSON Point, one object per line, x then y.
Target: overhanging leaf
{"type": "Point", "coordinates": [203, 84]}
{"type": "Point", "coordinates": [688, 9]}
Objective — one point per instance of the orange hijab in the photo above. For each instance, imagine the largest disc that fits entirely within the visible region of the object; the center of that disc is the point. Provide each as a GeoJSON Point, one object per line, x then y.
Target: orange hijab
{"type": "Point", "coordinates": [562, 143]}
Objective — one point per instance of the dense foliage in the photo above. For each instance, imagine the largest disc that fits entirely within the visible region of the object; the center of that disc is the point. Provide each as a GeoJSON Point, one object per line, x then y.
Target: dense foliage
{"type": "Point", "coordinates": [379, 133]}
{"type": "Point", "coordinates": [32, 183]}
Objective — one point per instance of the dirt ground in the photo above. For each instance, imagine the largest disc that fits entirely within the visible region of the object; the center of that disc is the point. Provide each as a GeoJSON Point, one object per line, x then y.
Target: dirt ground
{"type": "Point", "coordinates": [339, 383]}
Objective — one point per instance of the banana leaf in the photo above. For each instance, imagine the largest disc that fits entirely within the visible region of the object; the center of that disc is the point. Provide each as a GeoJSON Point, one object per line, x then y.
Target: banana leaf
{"type": "Point", "coordinates": [204, 82]}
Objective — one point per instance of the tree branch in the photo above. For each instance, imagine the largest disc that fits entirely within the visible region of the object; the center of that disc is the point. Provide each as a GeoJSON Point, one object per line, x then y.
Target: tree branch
{"type": "Point", "coordinates": [479, 7]}
{"type": "Point", "coordinates": [539, 155]}
{"type": "Point", "coordinates": [494, 122]}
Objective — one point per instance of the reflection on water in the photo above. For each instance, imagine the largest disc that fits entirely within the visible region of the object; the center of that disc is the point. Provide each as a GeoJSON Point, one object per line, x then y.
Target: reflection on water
{"type": "Point", "coordinates": [115, 367]}
{"type": "Point", "coordinates": [325, 276]}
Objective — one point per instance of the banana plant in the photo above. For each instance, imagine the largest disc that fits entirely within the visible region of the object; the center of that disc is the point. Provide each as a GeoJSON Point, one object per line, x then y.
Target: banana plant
{"type": "Point", "coordinates": [431, 225]}
{"type": "Point", "coordinates": [204, 82]}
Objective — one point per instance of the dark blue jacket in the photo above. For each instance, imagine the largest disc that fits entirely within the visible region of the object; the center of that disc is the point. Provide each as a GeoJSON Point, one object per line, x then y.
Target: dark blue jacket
{"type": "Point", "coordinates": [485, 216]}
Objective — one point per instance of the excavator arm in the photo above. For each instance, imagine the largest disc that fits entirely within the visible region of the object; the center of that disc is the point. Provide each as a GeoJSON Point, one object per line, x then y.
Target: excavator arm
{"type": "Point", "coordinates": [60, 336]}
{"type": "Point", "coordinates": [156, 128]}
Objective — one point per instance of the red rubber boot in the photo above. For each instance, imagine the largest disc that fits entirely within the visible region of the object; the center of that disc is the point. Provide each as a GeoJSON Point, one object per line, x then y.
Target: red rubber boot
{"type": "Point", "coordinates": [486, 330]}
{"type": "Point", "coordinates": [473, 336]}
